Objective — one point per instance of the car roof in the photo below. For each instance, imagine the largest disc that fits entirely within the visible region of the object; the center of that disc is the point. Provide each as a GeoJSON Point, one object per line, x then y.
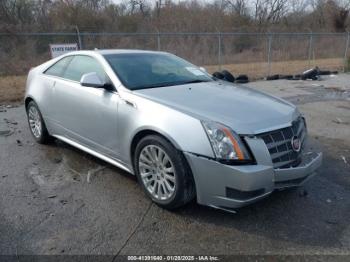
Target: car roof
{"type": "Point", "coordinates": [102, 52]}
{"type": "Point", "coordinates": [123, 51]}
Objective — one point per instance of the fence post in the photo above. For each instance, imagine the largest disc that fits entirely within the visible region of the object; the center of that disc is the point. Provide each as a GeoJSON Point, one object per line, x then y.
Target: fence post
{"type": "Point", "coordinates": [219, 50]}
{"type": "Point", "coordinates": [345, 67]}
{"type": "Point", "coordinates": [270, 36]}
{"type": "Point", "coordinates": [158, 40]}
{"type": "Point", "coordinates": [79, 37]}
{"type": "Point", "coordinates": [310, 48]}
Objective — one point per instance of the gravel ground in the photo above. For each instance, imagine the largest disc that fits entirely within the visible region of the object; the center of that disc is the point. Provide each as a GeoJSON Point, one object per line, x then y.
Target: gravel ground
{"type": "Point", "coordinates": [55, 199]}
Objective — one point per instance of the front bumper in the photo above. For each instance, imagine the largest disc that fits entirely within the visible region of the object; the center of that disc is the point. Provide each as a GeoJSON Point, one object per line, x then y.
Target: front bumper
{"type": "Point", "coordinates": [227, 186]}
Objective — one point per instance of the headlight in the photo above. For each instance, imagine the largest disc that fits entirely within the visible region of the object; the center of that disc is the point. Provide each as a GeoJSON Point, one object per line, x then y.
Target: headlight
{"type": "Point", "coordinates": [226, 144]}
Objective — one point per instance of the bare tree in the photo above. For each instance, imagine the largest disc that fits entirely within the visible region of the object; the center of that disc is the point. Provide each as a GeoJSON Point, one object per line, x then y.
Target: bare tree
{"type": "Point", "coordinates": [239, 7]}
{"type": "Point", "coordinates": [299, 6]}
{"type": "Point", "coordinates": [339, 13]}
{"type": "Point", "coordinates": [331, 14]}
{"type": "Point", "coordinates": [139, 5]}
{"type": "Point", "coordinates": [269, 11]}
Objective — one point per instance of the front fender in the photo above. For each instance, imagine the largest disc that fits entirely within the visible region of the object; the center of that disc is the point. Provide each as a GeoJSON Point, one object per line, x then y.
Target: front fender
{"type": "Point", "coordinates": [138, 114]}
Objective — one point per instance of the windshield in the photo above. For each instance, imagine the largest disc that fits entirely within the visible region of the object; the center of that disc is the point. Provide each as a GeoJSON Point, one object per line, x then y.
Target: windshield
{"type": "Point", "coordinates": [150, 70]}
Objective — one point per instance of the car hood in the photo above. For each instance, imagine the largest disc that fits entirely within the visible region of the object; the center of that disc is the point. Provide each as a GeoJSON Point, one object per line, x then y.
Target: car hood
{"type": "Point", "coordinates": [245, 110]}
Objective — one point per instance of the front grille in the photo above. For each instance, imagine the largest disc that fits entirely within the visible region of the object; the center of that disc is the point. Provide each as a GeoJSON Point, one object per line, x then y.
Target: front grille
{"type": "Point", "coordinates": [279, 144]}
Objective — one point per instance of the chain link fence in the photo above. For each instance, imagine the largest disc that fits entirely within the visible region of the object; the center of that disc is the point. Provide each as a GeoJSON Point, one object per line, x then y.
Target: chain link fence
{"type": "Point", "coordinates": [255, 54]}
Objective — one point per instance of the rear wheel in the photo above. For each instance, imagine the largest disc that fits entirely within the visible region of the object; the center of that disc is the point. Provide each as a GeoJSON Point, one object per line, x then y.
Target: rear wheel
{"type": "Point", "coordinates": [36, 123]}
{"type": "Point", "coordinates": [163, 172]}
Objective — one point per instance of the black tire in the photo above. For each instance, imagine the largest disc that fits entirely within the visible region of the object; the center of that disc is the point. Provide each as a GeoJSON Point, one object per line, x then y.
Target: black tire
{"type": "Point", "coordinates": [44, 136]}
{"type": "Point", "coordinates": [287, 77]}
{"type": "Point", "coordinates": [228, 76]}
{"type": "Point", "coordinates": [324, 72]}
{"type": "Point", "coordinates": [242, 79]}
{"type": "Point", "coordinates": [218, 75]}
{"type": "Point", "coordinates": [272, 77]}
{"type": "Point", "coordinates": [184, 184]}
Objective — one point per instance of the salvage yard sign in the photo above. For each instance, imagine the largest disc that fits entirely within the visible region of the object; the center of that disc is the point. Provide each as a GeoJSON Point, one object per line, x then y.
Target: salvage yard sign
{"type": "Point", "coordinates": [60, 49]}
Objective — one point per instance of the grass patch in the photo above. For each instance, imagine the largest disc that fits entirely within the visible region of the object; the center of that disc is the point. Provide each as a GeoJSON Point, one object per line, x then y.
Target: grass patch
{"type": "Point", "coordinates": [12, 88]}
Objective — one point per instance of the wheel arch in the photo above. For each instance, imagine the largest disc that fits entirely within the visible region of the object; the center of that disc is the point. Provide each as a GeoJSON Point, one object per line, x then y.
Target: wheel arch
{"type": "Point", "coordinates": [149, 131]}
{"type": "Point", "coordinates": [27, 100]}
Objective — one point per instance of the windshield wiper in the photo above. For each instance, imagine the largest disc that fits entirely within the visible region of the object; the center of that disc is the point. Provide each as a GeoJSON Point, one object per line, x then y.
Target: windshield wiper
{"type": "Point", "coordinates": [154, 86]}
{"type": "Point", "coordinates": [194, 81]}
{"type": "Point", "coordinates": [171, 84]}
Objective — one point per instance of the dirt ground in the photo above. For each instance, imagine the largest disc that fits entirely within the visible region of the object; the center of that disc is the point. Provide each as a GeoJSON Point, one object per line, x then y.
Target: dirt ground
{"type": "Point", "coordinates": [55, 199]}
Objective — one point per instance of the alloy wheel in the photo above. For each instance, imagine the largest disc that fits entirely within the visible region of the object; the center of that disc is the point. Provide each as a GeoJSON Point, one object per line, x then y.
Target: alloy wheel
{"type": "Point", "coordinates": [35, 121]}
{"type": "Point", "coordinates": [157, 172]}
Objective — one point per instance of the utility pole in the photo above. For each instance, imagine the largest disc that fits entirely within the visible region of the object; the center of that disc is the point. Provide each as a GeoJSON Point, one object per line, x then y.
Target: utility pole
{"type": "Point", "coordinates": [79, 37]}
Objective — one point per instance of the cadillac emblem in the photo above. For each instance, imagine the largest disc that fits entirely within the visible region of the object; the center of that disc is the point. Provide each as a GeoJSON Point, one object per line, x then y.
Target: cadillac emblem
{"type": "Point", "coordinates": [296, 144]}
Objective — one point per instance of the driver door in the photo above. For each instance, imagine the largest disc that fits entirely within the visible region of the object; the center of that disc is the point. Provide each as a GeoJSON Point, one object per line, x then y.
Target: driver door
{"type": "Point", "coordinates": [86, 115]}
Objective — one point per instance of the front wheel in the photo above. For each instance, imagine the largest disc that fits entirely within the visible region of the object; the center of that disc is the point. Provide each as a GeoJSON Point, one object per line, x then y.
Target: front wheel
{"type": "Point", "coordinates": [163, 172]}
{"type": "Point", "coordinates": [36, 124]}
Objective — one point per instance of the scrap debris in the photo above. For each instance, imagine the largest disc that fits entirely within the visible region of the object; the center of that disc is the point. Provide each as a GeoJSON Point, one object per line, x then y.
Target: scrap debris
{"type": "Point", "coordinates": [11, 122]}
{"type": "Point", "coordinates": [310, 74]}
{"type": "Point", "coordinates": [340, 121]}
{"type": "Point", "coordinates": [52, 196]}
{"type": "Point", "coordinates": [93, 172]}
{"type": "Point", "coordinates": [344, 159]}
{"type": "Point", "coordinates": [5, 130]}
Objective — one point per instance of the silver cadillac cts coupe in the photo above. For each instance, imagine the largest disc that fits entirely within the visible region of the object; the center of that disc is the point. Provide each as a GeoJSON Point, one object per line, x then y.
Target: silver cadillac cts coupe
{"type": "Point", "coordinates": [183, 133]}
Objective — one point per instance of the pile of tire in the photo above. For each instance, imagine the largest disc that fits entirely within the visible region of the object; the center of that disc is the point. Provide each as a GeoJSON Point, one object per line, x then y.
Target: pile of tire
{"type": "Point", "coordinates": [310, 74]}
{"type": "Point", "coordinates": [227, 76]}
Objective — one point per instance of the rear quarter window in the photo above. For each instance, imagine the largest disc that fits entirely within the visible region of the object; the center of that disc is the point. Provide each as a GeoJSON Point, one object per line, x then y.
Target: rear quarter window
{"type": "Point", "coordinates": [58, 68]}
{"type": "Point", "coordinates": [82, 64]}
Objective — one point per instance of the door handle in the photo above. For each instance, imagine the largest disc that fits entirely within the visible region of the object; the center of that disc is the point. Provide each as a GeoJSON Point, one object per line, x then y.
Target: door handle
{"type": "Point", "coordinates": [129, 103]}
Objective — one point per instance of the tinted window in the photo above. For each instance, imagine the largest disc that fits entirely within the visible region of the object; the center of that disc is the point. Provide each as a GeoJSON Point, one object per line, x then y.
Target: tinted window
{"type": "Point", "coordinates": [81, 65]}
{"type": "Point", "coordinates": [149, 70]}
{"type": "Point", "coordinates": [58, 68]}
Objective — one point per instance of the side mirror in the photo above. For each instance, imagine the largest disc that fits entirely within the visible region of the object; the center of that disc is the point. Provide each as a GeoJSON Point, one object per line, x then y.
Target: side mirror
{"type": "Point", "coordinates": [91, 80]}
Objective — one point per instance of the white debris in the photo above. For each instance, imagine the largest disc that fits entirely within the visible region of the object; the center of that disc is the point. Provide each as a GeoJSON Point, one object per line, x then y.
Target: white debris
{"type": "Point", "coordinates": [93, 172]}
{"type": "Point", "coordinates": [344, 159]}
{"type": "Point", "coordinates": [309, 153]}
{"type": "Point", "coordinates": [338, 120]}
{"type": "Point", "coordinates": [34, 171]}
{"type": "Point", "coordinates": [329, 201]}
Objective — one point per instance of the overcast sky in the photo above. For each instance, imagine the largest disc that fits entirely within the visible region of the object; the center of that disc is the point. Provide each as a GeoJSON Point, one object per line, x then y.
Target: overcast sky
{"type": "Point", "coordinates": [119, 1]}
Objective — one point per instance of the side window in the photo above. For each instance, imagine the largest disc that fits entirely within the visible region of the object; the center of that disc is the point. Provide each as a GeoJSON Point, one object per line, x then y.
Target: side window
{"type": "Point", "coordinates": [81, 65]}
{"type": "Point", "coordinates": [58, 68]}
